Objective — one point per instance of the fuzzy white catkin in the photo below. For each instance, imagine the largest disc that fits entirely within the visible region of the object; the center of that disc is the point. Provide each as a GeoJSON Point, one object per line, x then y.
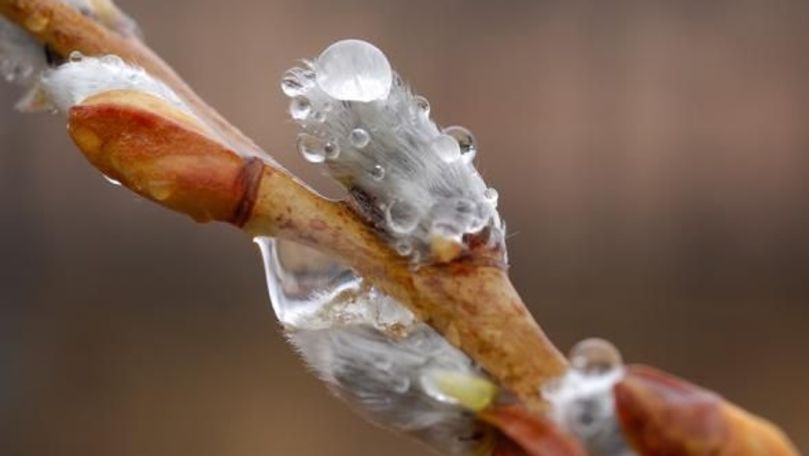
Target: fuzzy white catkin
{"type": "Point", "coordinates": [410, 178]}
{"type": "Point", "coordinates": [83, 77]}
{"type": "Point", "coordinates": [368, 348]}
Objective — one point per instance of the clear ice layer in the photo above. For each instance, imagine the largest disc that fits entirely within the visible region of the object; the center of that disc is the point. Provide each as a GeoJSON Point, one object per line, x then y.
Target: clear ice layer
{"type": "Point", "coordinates": [366, 346]}
{"type": "Point", "coordinates": [413, 180]}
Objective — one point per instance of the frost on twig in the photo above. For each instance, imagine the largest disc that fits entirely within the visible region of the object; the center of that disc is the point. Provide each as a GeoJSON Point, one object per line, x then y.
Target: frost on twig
{"type": "Point", "coordinates": [413, 180]}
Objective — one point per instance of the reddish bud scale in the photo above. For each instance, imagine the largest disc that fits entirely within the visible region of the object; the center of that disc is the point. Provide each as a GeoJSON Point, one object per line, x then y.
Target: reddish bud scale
{"type": "Point", "coordinates": [164, 155]}
{"type": "Point", "coordinates": [664, 415]}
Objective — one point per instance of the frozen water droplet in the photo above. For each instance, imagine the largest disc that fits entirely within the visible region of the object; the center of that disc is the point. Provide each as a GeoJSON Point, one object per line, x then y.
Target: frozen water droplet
{"type": "Point", "coordinates": [354, 70]}
{"type": "Point", "coordinates": [75, 56]}
{"type": "Point", "coordinates": [423, 105]}
{"type": "Point", "coordinates": [402, 217]}
{"type": "Point", "coordinates": [359, 138]}
{"type": "Point", "coordinates": [331, 150]}
{"type": "Point", "coordinates": [300, 107]}
{"type": "Point", "coordinates": [377, 172]}
{"type": "Point", "coordinates": [312, 148]}
{"type": "Point", "coordinates": [491, 195]}
{"type": "Point", "coordinates": [595, 356]}
{"type": "Point", "coordinates": [447, 148]}
{"type": "Point", "coordinates": [465, 140]}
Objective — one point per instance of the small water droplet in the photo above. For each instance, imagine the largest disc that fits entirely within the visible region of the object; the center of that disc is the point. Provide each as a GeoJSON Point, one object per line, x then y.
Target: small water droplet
{"type": "Point", "coordinates": [112, 59]}
{"type": "Point", "coordinates": [75, 56]}
{"type": "Point", "coordinates": [595, 356]}
{"type": "Point", "coordinates": [331, 150]}
{"type": "Point", "coordinates": [423, 105]}
{"type": "Point", "coordinates": [466, 141]}
{"type": "Point", "coordinates": [354, 70]}
{"type": "Point", "coordinates": [447, 148]}
{"type": "Point", "coordinates": [491, 195]}
{"type": "Point", "coordinates": [300, 107]}
{"type": "Point", "coordinates": [378, 172]}
{"type": "Point", "coordinates": [359, 138]}
{"type": "Point", "coordinates": [404, 247]}
{"type": "Point", "coordinates": [295, 82]}
{"type": "Point", "coordinates": [402, 217]}
{"type": "Point", "coordinates": [312, 148]}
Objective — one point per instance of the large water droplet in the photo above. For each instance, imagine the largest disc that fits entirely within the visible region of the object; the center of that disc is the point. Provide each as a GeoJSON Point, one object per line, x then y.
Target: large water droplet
{"type": "Point", "coordinates": [300, 107]}
{"type": "Point", "coordinates": [312, 148]}
{"type": "Point", "coordinates": [595, 356]}
{"type": "Point", "coordinates": [354, 70]}
{"type": "Point", "coordinates": [359, 138]}
{"type": "Point", "coordinates": [466, 141]}
{"type": "Point", "coordinates": [402, 217]}
{"type": "Point", "coordinates": [75, 56]}
{"type": "Point", "coordinates": [447, 148]}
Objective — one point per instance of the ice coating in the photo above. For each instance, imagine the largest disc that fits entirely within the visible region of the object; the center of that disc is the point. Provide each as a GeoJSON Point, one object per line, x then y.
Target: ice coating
{"type": "Point", "coordinates": [582, 401]}
{"type": "Point", "coordinates": [368, 348]}
{"type": "Point", "coordinates": [414, 181]}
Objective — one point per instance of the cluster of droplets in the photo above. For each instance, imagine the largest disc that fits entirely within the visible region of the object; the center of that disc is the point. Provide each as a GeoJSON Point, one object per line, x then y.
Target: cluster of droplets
{"type": "Point", "coordinates": [410, 178]}
{"type": "Point", "coordinates": [368, 348]}
{"type": "Point", "coordinates": [582, 400]}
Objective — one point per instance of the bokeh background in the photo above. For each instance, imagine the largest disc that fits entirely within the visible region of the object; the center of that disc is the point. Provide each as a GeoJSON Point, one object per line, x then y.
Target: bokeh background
{"type": "Point", "coordinates": [652, 160]}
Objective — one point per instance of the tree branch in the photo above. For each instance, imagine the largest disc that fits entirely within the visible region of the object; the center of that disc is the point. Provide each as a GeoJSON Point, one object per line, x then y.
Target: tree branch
{"type": "Point", "coordinates": [470, 300]}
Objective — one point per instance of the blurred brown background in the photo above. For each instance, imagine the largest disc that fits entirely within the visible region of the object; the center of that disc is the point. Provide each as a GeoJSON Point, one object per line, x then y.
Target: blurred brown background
{"type": "Point", "coordinates": [653, 165]}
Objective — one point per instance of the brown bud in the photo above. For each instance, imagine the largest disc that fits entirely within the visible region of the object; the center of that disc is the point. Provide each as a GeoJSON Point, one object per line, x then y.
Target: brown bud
{"type": "Point", "coordinates": [164, 154]}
